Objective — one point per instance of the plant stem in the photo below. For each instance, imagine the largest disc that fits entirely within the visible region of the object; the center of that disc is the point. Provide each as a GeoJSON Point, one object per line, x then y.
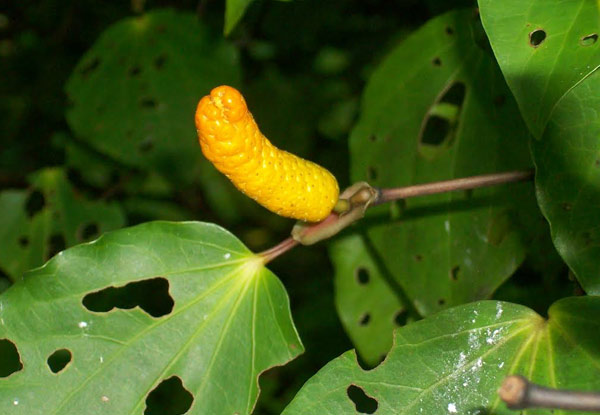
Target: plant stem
{"type": "Point", "coordinates": [280, 248]}
{"type": "Point", "coordinates": [518, 393]}
{"type": "Point", "coordinates": [465, 183]}
{"type": "Point", "coordinates": [360, 196]}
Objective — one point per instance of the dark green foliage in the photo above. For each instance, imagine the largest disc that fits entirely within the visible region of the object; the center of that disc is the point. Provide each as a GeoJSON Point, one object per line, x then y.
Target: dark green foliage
{"type": "Point", "coordinates": [97, 105]}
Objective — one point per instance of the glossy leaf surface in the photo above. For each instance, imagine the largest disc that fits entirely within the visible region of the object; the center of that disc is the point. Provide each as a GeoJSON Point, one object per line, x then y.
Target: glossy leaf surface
{"type": "Point", "coordinates": [221, 320]}
{"type": "Point", "coordinates": [568, 180]}
{"type": "Point", "coordinates": [545, 48]}
{"type": "Point", "coordinates": [453, 362]}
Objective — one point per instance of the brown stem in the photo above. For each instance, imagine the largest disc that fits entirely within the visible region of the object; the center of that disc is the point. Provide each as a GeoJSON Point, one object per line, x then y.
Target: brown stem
{"type": "Point", "coordinates": [473, 182]}
{"type": "Point", "coordinates": [280, 248]}
{"type": "Point", "coordinates": [518, 393]}
{"type": "Point", "coordinates": [355, 200]}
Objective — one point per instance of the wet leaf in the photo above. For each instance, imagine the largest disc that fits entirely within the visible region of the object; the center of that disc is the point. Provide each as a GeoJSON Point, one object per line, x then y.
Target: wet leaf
{"type": "Point", "coordinates": [454, 362]}
{"type": "Point", "coordinates": [223, 320]}
{"type": "Point", "coordinates": [545, 48]}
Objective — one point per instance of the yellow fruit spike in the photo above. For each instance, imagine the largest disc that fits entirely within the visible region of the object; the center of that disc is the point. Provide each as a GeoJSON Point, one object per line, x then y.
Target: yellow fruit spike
{"type": "Point", "coordinates": [280, 181]}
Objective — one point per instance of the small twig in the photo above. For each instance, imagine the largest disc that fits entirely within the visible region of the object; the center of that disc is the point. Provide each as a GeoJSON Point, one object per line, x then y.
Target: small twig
{"type": "Point", "coordinates": [473, 182]}
{"type": "Point", "coordinates": [518, 393]}
{"type": "Point", "coordinates": [280, 248]}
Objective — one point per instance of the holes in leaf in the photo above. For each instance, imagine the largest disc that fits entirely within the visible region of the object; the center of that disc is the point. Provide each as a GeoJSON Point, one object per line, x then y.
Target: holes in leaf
{"type": "Point", "coordinates": [10, 361]}
{"type": "Point", "coordinates": [441, 301]}
{"type": "Point", "coordinates": [56, 244]}
{"type": "Point", "coordinates": [455, 94]}
{"type": "Point", "coordinates": [135, 70]}
{"type": "Point", "coordinates": [436, 130]}
{"type": "Point", "coordinates": [170, 397]}
{"type": "Point", "coordinates": [159, 62]}
{"type": "Point", "coordinates": [148, 102]}
{"type": "Point", "coordinates": [58, 360]}
{"type": "Point", "coordinates": [454, 273]}
{"type": "Point", "coordinates": [364, 319]}
{"type": "Point", "coordinates": [362, 276]}
{"type": "Point", "coordinates": [35, 202]}
{"type": "Point", "coordinates": [589, 40]}
{"type": "Point", "coordinates": [441, 121]}
{"type": "Point", "coordinates": [400, 318]}
{"type": "Point", "coordinates": [87, 231]}
{"type": "Point", "coordinates": [363, 403]}
{"type": "Point", "coordinates": [436, 61]}
{"type": "Point", "coordinates": [89, 67]}
{"type": "Point", "coordinates": [371, 173]}
{"type": "Point", "coordinates": [537, 37]}
{"type": "Point", "coordinates": [23, 241]}
{"type": "Point", "coordinates": [150, 295]}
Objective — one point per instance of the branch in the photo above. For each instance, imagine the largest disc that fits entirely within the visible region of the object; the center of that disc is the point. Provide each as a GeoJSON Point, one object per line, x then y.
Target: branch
{"type": "Point", "coordinates": [473, 182]}
{"type": "Point", "coordinates": [355, 200]}
{"type": "Point", "coordinates": [518, 393]}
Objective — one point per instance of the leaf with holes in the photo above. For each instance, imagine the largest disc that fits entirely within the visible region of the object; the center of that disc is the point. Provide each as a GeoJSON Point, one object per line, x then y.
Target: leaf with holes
{"type": "Point", "coordinates": [453, 362]}
{"type": "Point", "coordinates": [568, 180]}
{"type": "Point", "coordinates": [37, 223]}
{"type": "Point", "coordinates": [134, 92]}
{"type": "Point", "coordinates": [109, 326]}
{"type": "Point", "coordinates": [545, 48]}
{"type": "Point", "coordinates": [369, 309]}
{"type": "Point", "coordinates": [438, 108]}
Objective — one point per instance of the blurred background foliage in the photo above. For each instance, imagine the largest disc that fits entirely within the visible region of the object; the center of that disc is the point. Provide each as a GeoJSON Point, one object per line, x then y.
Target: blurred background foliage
{"type": "Point", "coordinates": [97, 102]}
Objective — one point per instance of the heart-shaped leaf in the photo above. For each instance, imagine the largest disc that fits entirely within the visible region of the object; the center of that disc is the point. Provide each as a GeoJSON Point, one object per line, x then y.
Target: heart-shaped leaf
{"type": "Point", "coordinates": [545, 48]}
{"type": "Point", "coordinates": [36, 223]}
{"type": "Point", "coordinates": [208, 318]}
{"type": "Point", "coordinates": [435, 109]}
{"type": "Point", "coordinates": [158, 65]}
{"type": "Point", "coordinates": [454, 362]}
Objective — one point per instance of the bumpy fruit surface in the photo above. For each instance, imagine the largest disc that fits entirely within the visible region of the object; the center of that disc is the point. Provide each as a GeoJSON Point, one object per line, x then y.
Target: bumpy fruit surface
{"type": "Point", "coordinates": [282, 182]}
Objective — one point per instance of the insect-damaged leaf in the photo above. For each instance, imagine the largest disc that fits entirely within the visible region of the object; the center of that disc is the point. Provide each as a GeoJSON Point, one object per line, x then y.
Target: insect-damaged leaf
{"type": "Point", "coordinates": [228, 320]}
{"type": "Point", "coordinates": [438, 108]}
{"type": "Point", "coordinates": [544, 48]}
{"type": "Point", "coordinates": [134, 92]}
{"type": "Point", "coordinates": [454, 362]}
{"type": "Point", "coordinates": [37, 223]}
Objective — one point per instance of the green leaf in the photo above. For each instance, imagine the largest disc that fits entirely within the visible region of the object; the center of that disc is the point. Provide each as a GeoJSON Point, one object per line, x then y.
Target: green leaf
{"type": "Point", "coordinates": [454, 362]}
{"type": "Point", "coordinates": [368, 307]}
{"type": "Point", "coordinates": [223, 320]}
{"type": "Point", "coordinates": [134, 92]}
{"type": "Point", "coordinates": [545, 48]}
{"type": "Point", "coordinates": [438, 108]}
{"type": "Point", "coordinates": [567, 180]}
{"type": "Point", "coordinates": [234, 11]}
{"type": "Point", "coordinates": [36, 223]}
